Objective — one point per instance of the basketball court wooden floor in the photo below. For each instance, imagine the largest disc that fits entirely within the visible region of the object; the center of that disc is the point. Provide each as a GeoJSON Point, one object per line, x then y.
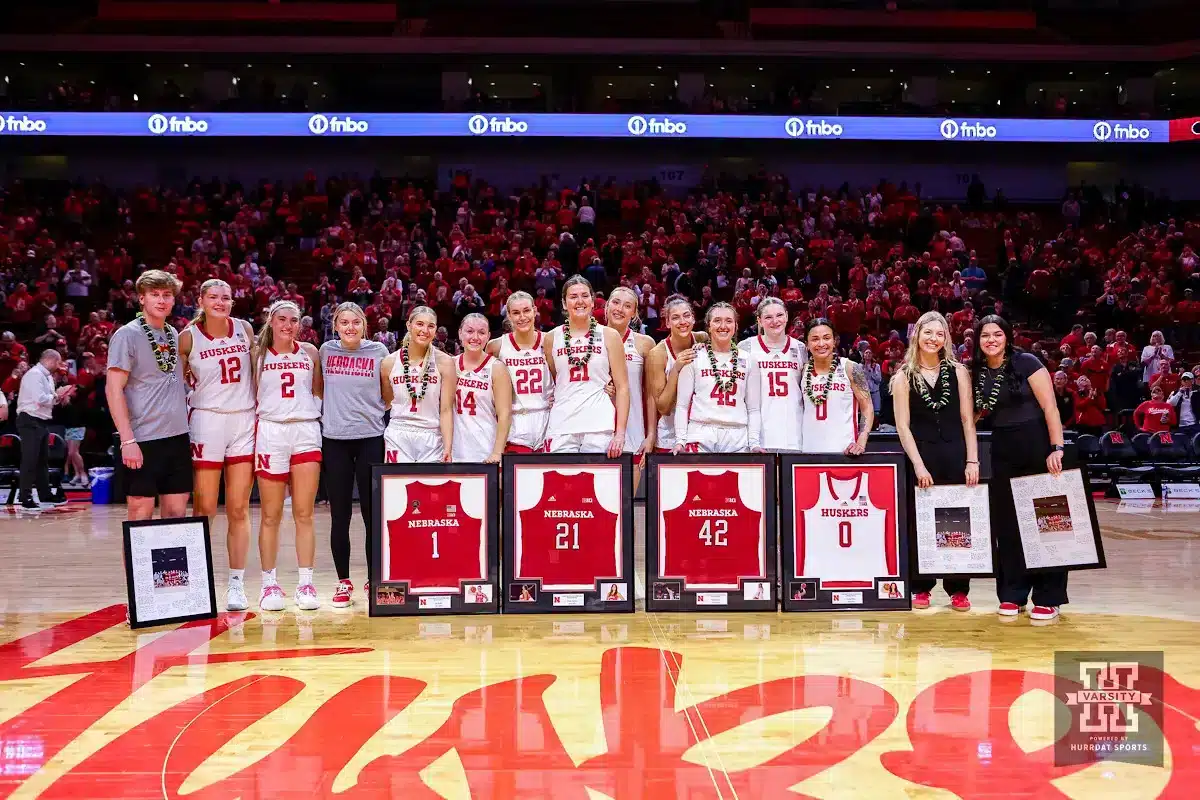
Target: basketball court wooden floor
{"type": "Point", "coordinates": [931, 704]}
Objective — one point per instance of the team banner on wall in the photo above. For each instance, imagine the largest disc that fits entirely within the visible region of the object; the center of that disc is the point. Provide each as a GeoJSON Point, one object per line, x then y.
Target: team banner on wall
{"type": "Point", "coordinates": [568, 534]}
{"type": "Point", "coordinates": [841, 532]}
{"type": "Point", "coordinates": [710, 533]}
{"type": "Point", "coordinates": [435, 547]}
{"type": "Point", "coordinates": [618, 126]}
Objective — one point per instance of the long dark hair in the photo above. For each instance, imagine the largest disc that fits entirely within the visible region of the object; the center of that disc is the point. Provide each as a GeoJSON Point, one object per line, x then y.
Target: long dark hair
{"type": "Point", "coordinates": [817, 322]}
{"type": "Point", "coordinates": [979, 360]}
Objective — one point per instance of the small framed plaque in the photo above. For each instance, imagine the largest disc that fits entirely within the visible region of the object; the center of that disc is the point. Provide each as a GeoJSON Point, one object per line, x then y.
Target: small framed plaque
{"type": "Point", "coordinates": [169, 571]}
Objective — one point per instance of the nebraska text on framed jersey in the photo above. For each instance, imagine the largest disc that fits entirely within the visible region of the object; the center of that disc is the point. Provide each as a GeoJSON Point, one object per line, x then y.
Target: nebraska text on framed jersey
{"type": "Point", "coordinates": [568, 533]}
{"type": "Point", "coordinates": [435, 544]}
{"type": "Point", "coordinates": [710, 533]}
{"type": "Point", "coordinates": [842, 532]}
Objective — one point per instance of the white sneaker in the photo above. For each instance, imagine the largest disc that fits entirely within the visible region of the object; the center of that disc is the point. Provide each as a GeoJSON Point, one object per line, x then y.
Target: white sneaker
{"type": "Point", "coordinates": [306, 597]}
{"type": "Point", "coordinates": [235, 597]}
{"type": "Point", "coordinates": [273, 598]}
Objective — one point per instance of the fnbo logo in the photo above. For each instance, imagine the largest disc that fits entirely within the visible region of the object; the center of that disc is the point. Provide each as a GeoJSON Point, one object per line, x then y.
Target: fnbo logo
{"type": "Point", "coordinates": [22, 124]}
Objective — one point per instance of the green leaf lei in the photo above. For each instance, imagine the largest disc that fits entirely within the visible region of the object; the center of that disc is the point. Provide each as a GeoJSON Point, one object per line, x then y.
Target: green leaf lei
{"type": "Point", "coordinates": [413, 393]}
{"type": "Point", "coordinates": [724, 386]}
{"type": "Point", "coordinates": [988, 405]}
{"type": "Point", "coordinates": [945, 369]}
{"type": "Point", "coordinates": [572, 359]}
{"type": "Point", "coordinates": [810, 375]}
{"type": "Point", "coordinates": [166, 356]}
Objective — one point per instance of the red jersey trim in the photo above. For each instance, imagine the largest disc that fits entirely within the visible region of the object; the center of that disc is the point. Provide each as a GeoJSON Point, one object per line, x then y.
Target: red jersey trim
{"type": "Point", "coordinates": [671, 350]}
{"type": "Point", "coordinates": [462, 362]}
{"type": "Point", "coordinates": [204, 333]}
{"type": "Point", "coordinates": [512, 338]}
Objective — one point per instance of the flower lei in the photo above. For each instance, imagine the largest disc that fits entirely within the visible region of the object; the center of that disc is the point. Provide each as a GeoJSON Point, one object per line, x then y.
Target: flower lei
{"type": "Point", "coordinates": [943, 386]}
{"type": "Point", "coordinates": [724, 385]}
{"type": "Point", "coordinates": [810, 375]}
{"type": "Point", "coordinates": [986, 406]}
{"type": "Point", "coordinates": [572, 359]}
{"type": "Point", "coordinates": [413, 394]}
{"type": "Point", "coordinates": [166, 356]}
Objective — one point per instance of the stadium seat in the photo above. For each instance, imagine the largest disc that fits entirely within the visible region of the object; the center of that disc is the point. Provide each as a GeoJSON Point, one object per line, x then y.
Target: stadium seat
{"type": "Point", "coordinates": [1195, 445]}
{"type": "Point", "coordinates": [1091, 455]}
{"type": "Point", "coordinates": [1167, 449]}
{"type": "Point", "coordinates": [1125, 462]}
{"type": "Point", "coordinates": [1117, 449]}
{"type": "Point", "coordinates": [1125, 422]}
{"type": "Point", "coordinates": [1141, 446]}
{"type": "Point", "coordinates": [10, 465]}
{"type": "Point", "coordinates": [57, 459]}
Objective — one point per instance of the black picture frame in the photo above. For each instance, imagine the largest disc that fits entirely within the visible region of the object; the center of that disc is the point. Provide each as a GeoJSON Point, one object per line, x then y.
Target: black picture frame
{"type": "Point", "coordinates": [429, 602]}
{"type": "Point", "coordinates": [676, 594]}
{"type": "Point", "coordinates": [136, 620]}
{"type": "Point", "coordinates": [817, 596]}
{"type": "Point", "coordinates": [566, 601]}
{"type": "Point", "coordinates": [1071, 462]}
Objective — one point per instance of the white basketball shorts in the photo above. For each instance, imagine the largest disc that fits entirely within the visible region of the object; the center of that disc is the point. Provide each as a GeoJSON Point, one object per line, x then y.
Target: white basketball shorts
{"type": "Point", "coordinates": [579, 443]}
{"type": "Point", "coordinates": [221, 438]}
{"type": "Point", "coordinates": [527, 433]}
{"type": "Point", "coordinates": [280, 445]}
{"type": "Point", "coordinates": [716, 439]}
{"type": "Point", "coordinates": [407, 445]}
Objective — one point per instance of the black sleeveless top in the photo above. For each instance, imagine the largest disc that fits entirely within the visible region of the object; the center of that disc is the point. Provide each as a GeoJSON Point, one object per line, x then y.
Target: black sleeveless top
{"type": "Point", "coordinates": [939, 434]}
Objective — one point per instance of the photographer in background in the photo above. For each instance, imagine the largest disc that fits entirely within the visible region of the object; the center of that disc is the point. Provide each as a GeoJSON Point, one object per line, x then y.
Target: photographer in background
{"type": "Point", "coordinates": [1184, 401]}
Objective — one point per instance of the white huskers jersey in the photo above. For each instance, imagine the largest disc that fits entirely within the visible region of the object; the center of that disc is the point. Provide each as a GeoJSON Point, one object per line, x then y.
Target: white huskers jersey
{"type": "Point", "coordinates": [580, 403]}
{"type": "Point", "coordinates": [665, 438]}
{"type": "Point", "coordinates": [529, 373]}
{"type": "Point", "coordinates": [221, 370]}
{"type": "Point", "coordinates": [285, 387]}
{"type": "Point", "coordinates": [409, 411]}
{"type": "Point", "coordinates": [474, 411]}
{"type": "Point", "coordinates": [701, 403]}
{"type": "Point", "coordinates": [775, 375]}
{"type": "Point", "coordinates": [833, 425]}
{"type": "Point", "coordinates": [844, 536]}
{"type": "Point", "coordinates": [635, 426]}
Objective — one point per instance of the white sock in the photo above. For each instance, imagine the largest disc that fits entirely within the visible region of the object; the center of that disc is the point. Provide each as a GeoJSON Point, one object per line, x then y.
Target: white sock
{"type": "Point", "coordinates": [237, 575]}
{"type": "Point", "coordinates": [269, 578]}
{"type": "Point", "coordinates": [306, 576]}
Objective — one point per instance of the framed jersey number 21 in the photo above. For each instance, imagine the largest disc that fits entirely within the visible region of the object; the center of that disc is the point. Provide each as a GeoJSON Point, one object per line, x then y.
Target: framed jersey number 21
{"type": "Point", "coordinates": [435, 544]}
{"type": "Point", "coordinates": [843, 530]}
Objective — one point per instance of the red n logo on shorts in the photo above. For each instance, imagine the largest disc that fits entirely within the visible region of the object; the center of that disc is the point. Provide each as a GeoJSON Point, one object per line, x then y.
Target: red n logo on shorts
{"type": "Point", "coordinates": [197, 451]}
{"type": "Point", "coordinates": [264, 462]}
{"type": "Point", "coordinates": [392, 457]}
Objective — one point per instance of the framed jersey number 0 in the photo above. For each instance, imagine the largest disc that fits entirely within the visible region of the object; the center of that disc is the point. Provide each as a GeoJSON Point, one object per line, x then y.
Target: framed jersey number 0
{"type": "Point", "coordinates": [710, 533]}
{"type": "Point", "coordinates": [435, 544]}
{"type": "Point", "coordinates": [568, 534]}
{"type": "Point", "coordinates": [843, 532]}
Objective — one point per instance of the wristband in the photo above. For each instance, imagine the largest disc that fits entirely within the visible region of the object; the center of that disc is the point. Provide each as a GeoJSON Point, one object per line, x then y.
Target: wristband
{"type": "Point", "coordinates": [128, 442]}
{"type": "Point", "coordinates": [973, 462]}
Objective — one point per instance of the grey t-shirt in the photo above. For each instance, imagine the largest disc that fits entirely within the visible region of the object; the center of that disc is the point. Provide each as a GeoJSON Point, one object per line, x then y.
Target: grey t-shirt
{"type": "Point", "coordinates": [157, 404]}
{"type": "Point", "coordinates": [353, 403]}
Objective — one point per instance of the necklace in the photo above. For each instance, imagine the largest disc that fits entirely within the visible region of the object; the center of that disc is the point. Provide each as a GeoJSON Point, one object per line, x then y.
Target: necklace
{"type": "Point", "coordinates": [987, 405]}
{"type": "Point", "coordinates": [810, 375]}
{"type": "Point", "coordinates": [415, 394]}
{"type": "Point", "coordinates": [166, 356]}
{"type": "Point", "coordinates": [572, 359]}
{"type": "Point", "coordinates": [724, 385]}
{"type": "Point", "coordinates": [943, 385]}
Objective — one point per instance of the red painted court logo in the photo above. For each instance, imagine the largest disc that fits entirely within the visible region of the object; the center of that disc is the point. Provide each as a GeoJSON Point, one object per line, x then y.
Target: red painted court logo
{"type": "Point", "coordinates": [264, 462]}
{"type": "Point", "coordinates": [197, 451]}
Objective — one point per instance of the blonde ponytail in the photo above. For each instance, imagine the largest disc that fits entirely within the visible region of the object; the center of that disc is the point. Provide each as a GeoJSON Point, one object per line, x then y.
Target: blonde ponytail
{"type": "Point", "coordinates": [198, 318]}
{"type": "Point", "coordinates": [413, 315]}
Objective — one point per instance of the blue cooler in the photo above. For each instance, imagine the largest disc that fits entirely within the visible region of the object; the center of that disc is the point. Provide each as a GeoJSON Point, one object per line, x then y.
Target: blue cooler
{"type": "Point", "coordinates": [102, 483]}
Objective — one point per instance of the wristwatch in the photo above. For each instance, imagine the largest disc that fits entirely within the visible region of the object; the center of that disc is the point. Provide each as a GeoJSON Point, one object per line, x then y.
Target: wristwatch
{"type": "Point", "coordinates": [1057, 448]}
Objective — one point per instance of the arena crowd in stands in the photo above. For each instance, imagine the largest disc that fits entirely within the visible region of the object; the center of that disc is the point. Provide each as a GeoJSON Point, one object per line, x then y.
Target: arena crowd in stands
{"type": "Point", "coordinates": [1105, 293]}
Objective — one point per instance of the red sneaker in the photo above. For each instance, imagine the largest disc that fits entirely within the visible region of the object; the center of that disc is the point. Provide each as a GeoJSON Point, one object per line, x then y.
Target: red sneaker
{"type": "Point", "coordinates": [343, 594]}
{"type": "Point", "coordinates": [959, 602]}
{"type": "Point", "coordinates": [1009, 609]}
{"type": "Point", "coordinates": [1043, 613]}
{"type": "Point", "coordinates": [921, 600]}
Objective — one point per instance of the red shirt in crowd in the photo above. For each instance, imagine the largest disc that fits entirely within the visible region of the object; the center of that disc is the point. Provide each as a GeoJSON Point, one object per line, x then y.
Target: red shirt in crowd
{"type": "Point", "coordinates": [1153, 416]}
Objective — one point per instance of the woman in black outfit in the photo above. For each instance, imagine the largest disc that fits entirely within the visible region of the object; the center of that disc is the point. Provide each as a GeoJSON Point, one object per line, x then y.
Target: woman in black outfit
{"type": "Point", "coordinates": [931, 396]}
{"type": "Point", "coordinates": [1015, 395]}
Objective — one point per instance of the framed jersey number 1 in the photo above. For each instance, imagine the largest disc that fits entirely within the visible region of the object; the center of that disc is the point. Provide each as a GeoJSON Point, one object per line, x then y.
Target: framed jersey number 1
{"type": "Point", "coordinates": [710, 533]}
{"type": "Point", "coordinates": [842, 530]}
{"type": "Point", "coordinates": [435, 547]}
{"type": "Point", "coordinates": [568, 534]}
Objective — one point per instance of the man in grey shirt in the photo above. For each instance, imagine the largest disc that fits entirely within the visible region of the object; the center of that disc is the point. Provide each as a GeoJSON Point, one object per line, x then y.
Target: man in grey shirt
{"type": "Point", "coordinates": [148, 403]}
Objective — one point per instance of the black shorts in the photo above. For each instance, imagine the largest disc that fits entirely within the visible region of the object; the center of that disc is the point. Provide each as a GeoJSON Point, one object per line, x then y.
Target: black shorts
{"type": "Point", "coordinates": [166, 468]}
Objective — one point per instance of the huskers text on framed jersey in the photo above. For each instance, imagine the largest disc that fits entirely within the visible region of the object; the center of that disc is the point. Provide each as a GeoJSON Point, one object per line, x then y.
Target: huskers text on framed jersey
{"type": "Point", "coordinates": [435, 547]}
{"type": "Point", "coordinates": [710, 533]}
{"type": "Point", "coordinates": [841, 530]}
{"type": "Point", "coordinates": [568, 533]}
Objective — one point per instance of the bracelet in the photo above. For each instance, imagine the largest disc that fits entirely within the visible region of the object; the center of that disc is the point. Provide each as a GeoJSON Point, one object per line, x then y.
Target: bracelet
{"type": "Point", "coordinates": [129, 442]}
{"type": "Point", "coordinates": [972, 462]}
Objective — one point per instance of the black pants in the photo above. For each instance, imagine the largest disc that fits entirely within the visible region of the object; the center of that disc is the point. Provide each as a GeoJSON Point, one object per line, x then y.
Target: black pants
{"type": "Point", "coordinates": [346, 461]}
{"type": "Point", "coordinates": [35, 457]}
{"type": "Point", "coordinates": [1017, 452]}
{"type": "Point", "coordinates": [946, 462]}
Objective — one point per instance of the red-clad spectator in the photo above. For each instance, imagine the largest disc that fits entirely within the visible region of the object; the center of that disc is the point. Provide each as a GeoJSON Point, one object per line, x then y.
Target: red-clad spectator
{"type": "Point", "coordinates": [1098, 370]}
{"type": "Point", "coordinates": [1089, 408]}
{"type": "Point", "coordinates": [1156, 414]}
{"type": "Point", "coordinates": [20, 305]}
{"type": "Point", "coordinates": [12, 353]}
{"type": "Point", "coordinates": [545, 307]}
{"type": "Point", "coordinates": [1120, 348]}
{"type": "Point", "coordinates": [1168, 380]}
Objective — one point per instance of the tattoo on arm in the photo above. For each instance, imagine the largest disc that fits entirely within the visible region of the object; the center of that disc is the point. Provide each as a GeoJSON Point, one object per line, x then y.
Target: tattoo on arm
{"type": "Point", "coordinates": [858, 379]}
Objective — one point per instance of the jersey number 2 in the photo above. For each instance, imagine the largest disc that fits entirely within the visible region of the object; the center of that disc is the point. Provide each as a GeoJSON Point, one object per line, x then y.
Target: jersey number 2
{"type": "Point", "coordinates": [567, 536]}
{"type": "Point", "coordinates": [844, 538]}
{"type": "Point", "coordinates": [286, 381]}
{"type": "Point", "coordinates": [231, 370]}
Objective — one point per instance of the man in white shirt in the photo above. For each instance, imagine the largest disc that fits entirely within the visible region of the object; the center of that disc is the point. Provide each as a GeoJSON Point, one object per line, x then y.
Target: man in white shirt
{"type": "Point", "coordinates": [35, 405]}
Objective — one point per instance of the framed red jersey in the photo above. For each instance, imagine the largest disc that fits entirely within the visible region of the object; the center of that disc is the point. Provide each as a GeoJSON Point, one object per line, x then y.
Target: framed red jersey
{"type": "Point", "coordinates": [844, 532]}
{"type": "Point", "coordinates": [710, 532]}
{"type": "Point", "coordinates": [568, 542]}
{"type": "Point", "coordinates": [435, 543]}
